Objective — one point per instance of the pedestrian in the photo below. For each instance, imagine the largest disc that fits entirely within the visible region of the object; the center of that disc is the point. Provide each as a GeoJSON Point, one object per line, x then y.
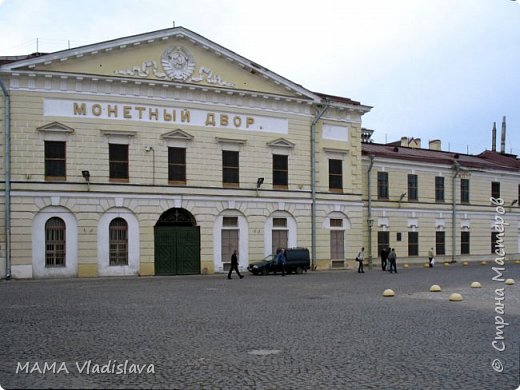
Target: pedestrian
{"type": "Point", "coordinates": [430, 257]}
{"type": "Point", "coordinates": [384, 257]}
{"type": "Point", "coordinates": [281, 260]}
{"type": "Point", "coordinates": [359, 258]}
{"type": "Point", "coordinates": [392, 258]}
{"type": "Point", "coordinates": [234, 265]}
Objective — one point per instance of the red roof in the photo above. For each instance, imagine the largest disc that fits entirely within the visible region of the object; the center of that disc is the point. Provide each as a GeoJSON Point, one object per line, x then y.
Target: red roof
{"type": "Point", "coordinates": [485, 160]}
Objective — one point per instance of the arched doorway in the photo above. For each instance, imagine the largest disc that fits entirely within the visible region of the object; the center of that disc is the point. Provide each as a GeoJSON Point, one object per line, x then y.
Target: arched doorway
{"type": "Point", "coordinates": [177, 243]}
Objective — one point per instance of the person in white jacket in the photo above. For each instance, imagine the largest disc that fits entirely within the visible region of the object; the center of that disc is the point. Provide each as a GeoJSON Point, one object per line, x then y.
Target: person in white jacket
{"type": "Point", "coordinates": [359, 258]}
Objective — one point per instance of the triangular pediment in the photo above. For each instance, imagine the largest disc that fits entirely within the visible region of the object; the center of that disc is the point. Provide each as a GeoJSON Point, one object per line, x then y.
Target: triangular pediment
{"type": "Point", "coordinates": [56, 127]}
{"type": "Point", "coordinates": [178, 135]}
{"type": "Point", "coordinates": [175, 55]}
{"type": "Point", "coordinates": [281, 143]}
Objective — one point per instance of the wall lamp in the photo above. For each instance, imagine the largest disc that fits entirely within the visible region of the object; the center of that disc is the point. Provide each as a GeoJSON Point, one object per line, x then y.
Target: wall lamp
{"type": "Point", "coordinates": [86, 176]}
{"type": "Point", "coordinates": [401, 198]}
{"type": "Point", "coordinates": [512, 204]}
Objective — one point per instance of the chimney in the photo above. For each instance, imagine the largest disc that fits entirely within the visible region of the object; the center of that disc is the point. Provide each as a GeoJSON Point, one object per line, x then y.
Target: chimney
{"type": "Point", "coordinates": [494, 137]}
{"type": "Point", "coordinates": [435, 144]}
{"type": "Point", "coordinates": [503, 143]}
{"type": "Point", "coordinates": [404, 141]}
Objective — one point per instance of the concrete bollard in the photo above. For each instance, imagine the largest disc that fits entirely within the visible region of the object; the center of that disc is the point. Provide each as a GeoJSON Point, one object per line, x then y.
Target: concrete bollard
{"type": "Point", "coordinates": [456, 297]}
{"type": "Point", "coordinates": [435, 288]}
{"type": "Point", "coordinates": [475, 285]}
{"type": "Point", "coordinates": [510, 282]}
{"type": "Point", "coordinates": [388, 293]}
{"type": "Point", "coordinates": [465, 263]}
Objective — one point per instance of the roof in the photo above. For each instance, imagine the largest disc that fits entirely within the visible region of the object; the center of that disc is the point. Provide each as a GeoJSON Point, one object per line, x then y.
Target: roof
{"type": "Point", "coordinates": [486, 160]}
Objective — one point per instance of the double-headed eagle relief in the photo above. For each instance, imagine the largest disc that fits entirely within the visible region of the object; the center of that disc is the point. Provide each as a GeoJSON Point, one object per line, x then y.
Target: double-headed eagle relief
{"type": "Point", "coordinates": [178, 65]}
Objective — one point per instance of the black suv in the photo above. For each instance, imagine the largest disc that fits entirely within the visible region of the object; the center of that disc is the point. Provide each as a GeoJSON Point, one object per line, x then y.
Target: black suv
{"type": "Point", "coordinates": [298, 260]}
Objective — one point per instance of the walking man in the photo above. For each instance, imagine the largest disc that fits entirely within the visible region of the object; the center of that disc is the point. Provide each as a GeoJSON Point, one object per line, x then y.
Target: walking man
{"type": "Point", "coordinates": [430, 257]}
{"type": "Point", "coordinates": [359, 258]}
{"type": "Point", "coordinates": [234, 265]}
{"type": "Point", "coordinates": [281, 259]}
{"type": "Point", "coordinates": [384, 257]}
{"type": "Point", "coordinates": [392, 258]}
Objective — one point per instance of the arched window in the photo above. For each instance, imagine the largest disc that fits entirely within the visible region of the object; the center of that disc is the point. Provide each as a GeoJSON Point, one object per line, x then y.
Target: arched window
{"type": "Point", "coordinates": [55, 242]}
{"type": "Point", "coordinates": [118, 233]}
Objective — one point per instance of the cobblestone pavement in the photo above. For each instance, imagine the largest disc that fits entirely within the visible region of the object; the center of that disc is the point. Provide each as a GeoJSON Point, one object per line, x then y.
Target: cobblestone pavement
{"type": "Point", "coordinates": [319, 330]}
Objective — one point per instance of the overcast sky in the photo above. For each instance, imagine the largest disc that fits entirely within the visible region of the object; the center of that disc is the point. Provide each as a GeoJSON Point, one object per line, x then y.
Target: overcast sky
{"type": "Point", "coordinates": [443, 69]}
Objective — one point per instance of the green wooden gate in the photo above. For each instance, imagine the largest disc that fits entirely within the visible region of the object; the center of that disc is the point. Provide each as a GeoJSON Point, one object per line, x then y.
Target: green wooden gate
{"type": "Point", "coordinates": [177, 250]}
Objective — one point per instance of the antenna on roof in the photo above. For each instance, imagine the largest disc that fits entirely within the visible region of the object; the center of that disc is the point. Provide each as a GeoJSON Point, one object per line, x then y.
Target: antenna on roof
{"type": "Point", "coordinates": [174, 24]}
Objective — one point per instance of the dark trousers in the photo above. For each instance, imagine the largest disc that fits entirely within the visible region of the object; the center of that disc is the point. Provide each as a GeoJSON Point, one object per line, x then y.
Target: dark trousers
{"type": "Point", "coordinates": [383, 264]}
{"type": "Point", "coordinates": [281, 267]}
{"type": "Point", "coordinates": [430, 260]}
{"type": "Point", "coordinates": [393, 266]}
{"type": "Point", "coordinates": [233, 267]}
{"type": "Point", "coordinates": [360, 266]}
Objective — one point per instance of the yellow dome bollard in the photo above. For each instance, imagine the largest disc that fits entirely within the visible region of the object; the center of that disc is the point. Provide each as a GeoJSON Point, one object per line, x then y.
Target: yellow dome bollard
{"type": "Point", "coordinates": [446, 264]}
{"type": "Point", "coordinates": [405, 266]}
{"type": "Point", "coordinates": [483, 262]}
{"type": "Point", "coordinates": [510, 281]}
{"type": "Point", "coordinates": [388, 293]}
{"type": "Point", "coordinates": [465, 263]}
{"type": "Point", "coordinates": [456, 297]}
{"type": "Point", "coordinates": [475, 285]}
{"type": "Point", "coordinates": [435, 288]}
{"type": "Point", "coordinates": [517, 261]}
{"type": "Point", "coordinates": [426, 265]}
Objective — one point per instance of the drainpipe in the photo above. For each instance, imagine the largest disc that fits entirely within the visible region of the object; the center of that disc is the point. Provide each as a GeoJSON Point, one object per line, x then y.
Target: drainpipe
{"type": "Point", "coordinates": [313, 181]}
{"type": "Point", "coordinates": [456, 167]}
{"type": "Point", "coordinates": [7, 206]}
{"type": "Point", "coordinates": [370, 221]}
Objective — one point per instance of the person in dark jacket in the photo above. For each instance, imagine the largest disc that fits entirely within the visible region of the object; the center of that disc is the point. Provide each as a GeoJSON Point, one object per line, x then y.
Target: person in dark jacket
{"type": "Point", "coordinates": [234, 265]}
{"type": "Point", "coordinates": [392, 258]}
{"type": "Point", "coordinates": [384, 257]}
{"type": "Point", "coordinates": [281, 259]}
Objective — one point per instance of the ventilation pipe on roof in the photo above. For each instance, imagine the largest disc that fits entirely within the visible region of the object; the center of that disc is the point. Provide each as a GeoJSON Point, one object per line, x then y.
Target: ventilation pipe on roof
{"type": "Point", "coordinates": [494, 137]}
{"type": "Point", "coordinates": [7, 205]}
{"type": "Point", "coordinates": [318, 116]}
{"type": "Point", "coordinates": [503, 142]}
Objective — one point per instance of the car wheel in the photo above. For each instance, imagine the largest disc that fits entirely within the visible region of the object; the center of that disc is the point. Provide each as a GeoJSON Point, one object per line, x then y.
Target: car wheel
{"type": "Point", "coordinates": [264, 271]}
{"type": "Point", "coordinates": [299, 270]}
{"type": "Point", "coordinates": [255, 272]}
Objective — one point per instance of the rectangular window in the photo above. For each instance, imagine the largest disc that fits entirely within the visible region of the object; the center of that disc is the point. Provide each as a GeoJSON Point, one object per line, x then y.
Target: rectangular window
{"type": "Point", "coordinates": [280, 222]}
{"type": "Point", "coordinates": [337, 247]}
{"type": "Point", "coordinates": [439, 189]}
{"type": "Point", "coordinates": [383, 241]}
{"type": "Point", "coordinates": [464, 243]}
{"type": "Point", "coordinates": [280, 171]}
{"type": "Point", "coordinates": [118, 236]}
{"type": "Point", "coordinates": [230, 168]}
{"type": "Point", "coordinates": [464, 190]}
{"type": "Point", "coordinates": [335, 175]}
{"type": "Point", "coordinates": [440, 243]}
{"type": "Point", "coordinates": [412, 187]}
{"type": "Point", "coordinates": [496, 236]}
{"type": "Point", "coordinates": [495, 189]}
{"type": "Point", "coordinates": [336, 222]}
{"type": "Point", "coordinates": [55, 160]}
{"type": "Point", "coordinates": [176, 165]}
{"type": "Point", "coordinates": [118, 162]}
{"type": "Point", "coordinates": [382, 185]}
{"type": "Point", "coordinates": [413, 243]}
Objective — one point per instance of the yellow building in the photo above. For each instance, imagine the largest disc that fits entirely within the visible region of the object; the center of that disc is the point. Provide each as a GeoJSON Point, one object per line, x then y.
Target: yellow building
{"type": "Point", "coordinates": [425, 198]}
{"type": "Point", "coordinates": [160, 153]}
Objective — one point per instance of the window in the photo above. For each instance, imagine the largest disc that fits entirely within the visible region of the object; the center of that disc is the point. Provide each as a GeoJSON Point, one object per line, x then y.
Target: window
{"type": "Point", "coordinates": [118, 233]}
{"type": "Point", "coordinates": [439, 189]}
{"type": "Point", "coordinates": [280, 234]}
{"type": "Point", "coordinates": [382, 185]}
{"type": "Point", "coordinates": [280, 171]}
{"type": "Point", "coordinates": [335, 175]}
{"type": "Point", "coordinates": [176, 165]}
{"type": "Point", "coordinates": [337, 239]}
{"type": "Point", "coordinates": [464, 190]}
{"type": "Point", "coordinates": [495, 189]}
{"type": "Point", "coordinates": [412, 187]}
{"type": "Point", "coordinates": [464, 243]}
{"type": "Point", "coordinates": [230, 234]}
{"type": "Point", "coordinates": [55, 160]}
{"type": "Point", "coordinates": [230, 172]}
{"type": "Point", "coordinates": [55, 242]}
{"type": "Point", "coordinates": [413, 243]}
{"type": "Point", "coordinates": [440, 243]}
{"type": "Point", "coordinates": [383, 241]}
{"type": "Point", "coordinates": [118, 160]}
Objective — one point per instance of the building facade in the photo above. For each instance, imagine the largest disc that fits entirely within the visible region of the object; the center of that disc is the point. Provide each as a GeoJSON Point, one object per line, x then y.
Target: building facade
{"type": "Point", "coordinates": [426, 198]}
{"type": "Point", "coordinates": [161, 153]}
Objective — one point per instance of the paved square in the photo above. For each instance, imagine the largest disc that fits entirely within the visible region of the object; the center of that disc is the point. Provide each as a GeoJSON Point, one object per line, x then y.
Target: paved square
{"type": "Point", "coordinates": [320, 330]}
